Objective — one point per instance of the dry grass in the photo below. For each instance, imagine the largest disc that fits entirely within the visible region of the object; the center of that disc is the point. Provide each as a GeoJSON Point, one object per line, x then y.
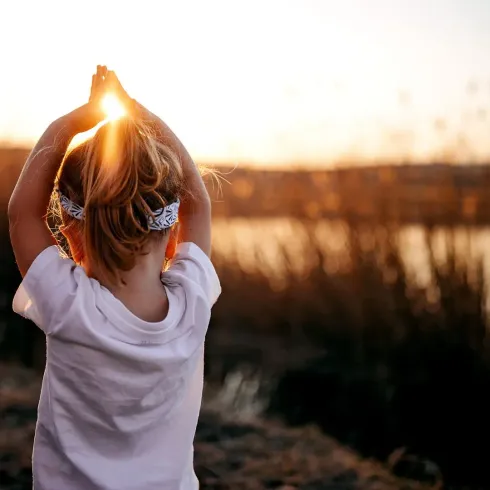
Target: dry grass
{"type": "Point", "coordinates": [228, 454]}
{"type": "Point", "coordinates": [404, 365]}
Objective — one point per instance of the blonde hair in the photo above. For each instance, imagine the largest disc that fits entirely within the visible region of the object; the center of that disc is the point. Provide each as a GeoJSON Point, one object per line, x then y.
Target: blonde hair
{"type": "Point", "coordinates": [119, 176]}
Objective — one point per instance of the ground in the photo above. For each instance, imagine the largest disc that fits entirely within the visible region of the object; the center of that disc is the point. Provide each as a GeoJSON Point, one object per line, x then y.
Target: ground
{"type": "Point", "coordinates": [255, 455]}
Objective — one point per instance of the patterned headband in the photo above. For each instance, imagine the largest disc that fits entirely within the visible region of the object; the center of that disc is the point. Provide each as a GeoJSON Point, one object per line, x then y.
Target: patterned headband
{"type": "Point", "coordinates": [164, 217]}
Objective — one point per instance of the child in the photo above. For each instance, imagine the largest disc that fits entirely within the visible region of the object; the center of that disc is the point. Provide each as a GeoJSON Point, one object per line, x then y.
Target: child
{"type": "Point", "coordinates": [124, 371]}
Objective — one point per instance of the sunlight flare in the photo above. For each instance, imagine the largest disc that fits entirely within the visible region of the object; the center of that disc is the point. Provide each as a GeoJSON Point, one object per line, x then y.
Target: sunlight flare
{"type": "Point", "coordinates": [80, 138]}
{"type": "Point", "coordinates": [112, 107]}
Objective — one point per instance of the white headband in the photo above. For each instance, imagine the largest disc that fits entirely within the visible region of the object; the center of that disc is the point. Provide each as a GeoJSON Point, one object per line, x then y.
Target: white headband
{"type": "Point", "coordinates": [164, 217]}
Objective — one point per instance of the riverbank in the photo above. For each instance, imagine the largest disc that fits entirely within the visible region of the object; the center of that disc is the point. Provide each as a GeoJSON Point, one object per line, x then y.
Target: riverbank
{"type": "Point", "coordinates": [255, 455]}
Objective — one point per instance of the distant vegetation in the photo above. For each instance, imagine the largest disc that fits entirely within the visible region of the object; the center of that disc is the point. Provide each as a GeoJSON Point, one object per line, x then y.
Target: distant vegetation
{"type": "Point", "coordinates": [429, 193]}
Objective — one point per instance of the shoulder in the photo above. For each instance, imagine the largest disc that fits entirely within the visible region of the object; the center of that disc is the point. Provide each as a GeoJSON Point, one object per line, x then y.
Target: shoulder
{"type": "Point", "coordinates": [192, 268]}
{"type": "Point", "coordinates": [49, 289]}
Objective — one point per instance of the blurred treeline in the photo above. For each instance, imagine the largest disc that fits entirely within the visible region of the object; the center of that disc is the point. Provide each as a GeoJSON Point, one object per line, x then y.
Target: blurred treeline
{"type": "Point", "coordinates": [434, 193]}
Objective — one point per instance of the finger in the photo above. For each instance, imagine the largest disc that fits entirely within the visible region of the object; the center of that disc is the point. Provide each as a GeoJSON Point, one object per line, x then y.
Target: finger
{"type": "Point", "coordinates": [98, 80]}
{"type": "Point", "coordinates": [112, 75]}
{"type": "Point", "coordinates": [115, 83]}
{"type": "Point", "coordinates": [110, 79]}
{"type": "Point", "coordinates": [99, 75]}
{"type": "Point", "coordinates": [93, 88]}
{"type": "Point", "coordinates": [104, 71]}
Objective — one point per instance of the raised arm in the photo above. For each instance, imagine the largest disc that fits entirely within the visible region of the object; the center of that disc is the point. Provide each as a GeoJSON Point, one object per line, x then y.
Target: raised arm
{"type": "Point", "coordinates": [29, 202]}
{"type": "Point", "coordinates": [195, 210]}
{"type": "Point", "coordinates": [28, 205]}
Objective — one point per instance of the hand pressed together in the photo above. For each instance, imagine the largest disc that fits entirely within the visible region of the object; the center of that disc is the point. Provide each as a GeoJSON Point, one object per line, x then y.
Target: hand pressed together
{"type": "Point", "coordinates": [87, 116]}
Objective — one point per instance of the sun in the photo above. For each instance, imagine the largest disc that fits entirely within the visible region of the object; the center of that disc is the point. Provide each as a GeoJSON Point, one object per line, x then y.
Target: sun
{"type": "Point", "coordinates": [112, 107]}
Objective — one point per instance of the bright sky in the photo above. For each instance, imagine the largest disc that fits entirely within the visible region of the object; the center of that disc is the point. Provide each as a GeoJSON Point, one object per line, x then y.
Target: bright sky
{"type": "Point", "coordinates": [266, 81]}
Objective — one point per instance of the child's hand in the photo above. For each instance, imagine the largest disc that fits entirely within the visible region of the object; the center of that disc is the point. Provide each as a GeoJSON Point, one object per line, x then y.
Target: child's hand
{"type": "Point", "coordinates": [98, 88]}
{"type": "Point", "coordinates": [132, 106]}
{"type": "Point", "coordinates": [112, 84]}
{"type": "Point", "coordinates": [88, 115]}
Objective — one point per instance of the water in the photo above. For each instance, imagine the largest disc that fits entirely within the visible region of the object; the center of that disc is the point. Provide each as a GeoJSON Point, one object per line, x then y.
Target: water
{"type": "Point", "coordinates": [277, 245]}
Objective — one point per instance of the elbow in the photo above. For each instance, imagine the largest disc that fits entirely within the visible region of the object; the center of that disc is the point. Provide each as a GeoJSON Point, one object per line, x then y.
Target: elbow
{"type": "Point", "coordinates": [20, 207]}
{"type": "Point", "coordinates": [17, 210]}
{"type": "Point", "coordinates": [206, 201]}
{"type": "Point", "coordinates": [12, 209]}
{"type": "Point", "coordinates": [201, 200]}
{"type": "Point", "coordinates": [197, 205]}
{"type": "Point", "coordinates": [204, 205]}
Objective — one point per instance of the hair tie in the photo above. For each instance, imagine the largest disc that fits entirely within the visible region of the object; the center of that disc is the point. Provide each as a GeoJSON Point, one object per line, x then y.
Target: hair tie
{"type": "Point", "coordinates": [163, 218]}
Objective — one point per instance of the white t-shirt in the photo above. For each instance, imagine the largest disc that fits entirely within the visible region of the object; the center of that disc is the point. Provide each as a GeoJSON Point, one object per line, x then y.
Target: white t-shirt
{"type": "Point", "coordinates": [120, 396]}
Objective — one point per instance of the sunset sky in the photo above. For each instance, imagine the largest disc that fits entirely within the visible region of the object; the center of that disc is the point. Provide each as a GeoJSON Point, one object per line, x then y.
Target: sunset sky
{"type": "Point", "coordinates": [263, 81]}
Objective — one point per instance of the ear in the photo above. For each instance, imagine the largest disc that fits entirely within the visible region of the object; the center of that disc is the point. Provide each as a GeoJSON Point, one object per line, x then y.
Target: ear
{"type": "Point", "coordinates": [73, 238]}
{"type": "Point", "coordinates": [77, 253]}
{"type": "Point", "coordinates": [172, 242]}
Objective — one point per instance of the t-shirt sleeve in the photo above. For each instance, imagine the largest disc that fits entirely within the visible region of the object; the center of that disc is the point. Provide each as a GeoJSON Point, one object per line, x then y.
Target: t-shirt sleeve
{"type": "Point", "coordinates": [47, 290]}
{"type": "Point", "coordinates": [191, 263]}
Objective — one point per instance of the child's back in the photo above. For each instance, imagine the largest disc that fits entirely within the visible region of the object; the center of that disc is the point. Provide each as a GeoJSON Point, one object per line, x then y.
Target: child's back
{"type": "Point", "coordinates": [121, 395]}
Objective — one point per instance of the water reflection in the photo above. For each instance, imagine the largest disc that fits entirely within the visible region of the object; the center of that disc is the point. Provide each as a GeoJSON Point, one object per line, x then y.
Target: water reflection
{"type": "Point", "coordinates": [279, 246]}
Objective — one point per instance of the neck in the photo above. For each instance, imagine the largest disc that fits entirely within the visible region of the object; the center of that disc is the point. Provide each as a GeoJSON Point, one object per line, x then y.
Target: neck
{"type": "Point", "coordinates": [145, 274]}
